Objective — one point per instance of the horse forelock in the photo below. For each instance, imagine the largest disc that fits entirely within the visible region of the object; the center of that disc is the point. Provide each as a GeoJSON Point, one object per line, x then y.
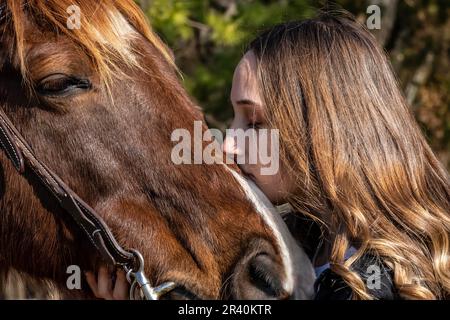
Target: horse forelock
{"type": "Point", "coordinates": [106, 31]}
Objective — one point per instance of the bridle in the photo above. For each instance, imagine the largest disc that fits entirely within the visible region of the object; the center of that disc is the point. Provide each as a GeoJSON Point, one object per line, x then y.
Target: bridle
{"type": "Point", "coordinates": [91, 224]}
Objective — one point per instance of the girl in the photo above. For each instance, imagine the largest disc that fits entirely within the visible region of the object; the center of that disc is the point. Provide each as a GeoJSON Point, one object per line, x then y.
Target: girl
{"type": "Point", "coordinates": [372, 201]}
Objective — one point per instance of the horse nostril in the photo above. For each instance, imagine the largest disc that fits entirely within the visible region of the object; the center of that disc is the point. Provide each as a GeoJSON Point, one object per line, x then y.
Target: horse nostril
{"type": "Point", "coordinates": [259, 275]}
{"type": "Point", "coordinates": [180, 293]}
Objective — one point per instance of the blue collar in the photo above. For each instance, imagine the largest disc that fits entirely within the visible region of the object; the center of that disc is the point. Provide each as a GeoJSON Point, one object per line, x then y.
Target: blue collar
{"type": "Point", "coordinates": [350, 251]}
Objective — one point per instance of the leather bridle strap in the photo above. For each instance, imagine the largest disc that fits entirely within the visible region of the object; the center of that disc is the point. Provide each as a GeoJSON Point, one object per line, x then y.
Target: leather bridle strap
{"type": "Point", "coordinates": [98, 233]}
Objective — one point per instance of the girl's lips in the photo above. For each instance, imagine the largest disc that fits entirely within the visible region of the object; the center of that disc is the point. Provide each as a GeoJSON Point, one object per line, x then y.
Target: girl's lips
{"type": "Point", "coordinates": [248, 175]}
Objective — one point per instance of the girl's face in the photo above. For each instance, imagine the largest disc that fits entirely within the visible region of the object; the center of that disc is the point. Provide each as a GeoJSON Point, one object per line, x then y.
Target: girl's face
{"type": "Point", "coordinates": [248, 109]}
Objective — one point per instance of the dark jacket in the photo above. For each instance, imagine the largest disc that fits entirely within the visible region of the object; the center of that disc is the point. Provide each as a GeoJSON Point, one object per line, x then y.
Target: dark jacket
{"type": "Point", "coordinates": [330, 286]}
{"type": "Point", "coordinates": [376, 276]}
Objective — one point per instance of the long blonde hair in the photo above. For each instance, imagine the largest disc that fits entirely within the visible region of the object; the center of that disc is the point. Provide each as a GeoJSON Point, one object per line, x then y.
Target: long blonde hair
{"type": "Point", "coordinates": [360, 160]}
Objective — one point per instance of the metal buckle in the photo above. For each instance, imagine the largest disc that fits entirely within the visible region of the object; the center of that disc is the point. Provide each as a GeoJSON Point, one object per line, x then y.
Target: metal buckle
{"type": "Point", "coordinates": [141, 288]}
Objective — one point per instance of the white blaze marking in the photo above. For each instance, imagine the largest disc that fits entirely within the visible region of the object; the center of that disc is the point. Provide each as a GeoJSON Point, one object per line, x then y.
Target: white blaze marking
{"type": "Point", "coordinates": [274, 221]}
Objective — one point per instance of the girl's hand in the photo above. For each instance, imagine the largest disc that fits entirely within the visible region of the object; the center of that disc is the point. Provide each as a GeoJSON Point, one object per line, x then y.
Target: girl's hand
{"type": "Point", "coordinates": [103, 287]}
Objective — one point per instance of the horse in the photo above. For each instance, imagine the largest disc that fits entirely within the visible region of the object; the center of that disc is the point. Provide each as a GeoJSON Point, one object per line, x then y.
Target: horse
{"type": "Point", "coordinates": [98, 103]}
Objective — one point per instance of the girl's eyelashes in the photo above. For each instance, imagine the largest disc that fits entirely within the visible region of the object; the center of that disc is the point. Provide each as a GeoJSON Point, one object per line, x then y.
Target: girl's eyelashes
{"type": "Point", "coordinates": [254, 125]}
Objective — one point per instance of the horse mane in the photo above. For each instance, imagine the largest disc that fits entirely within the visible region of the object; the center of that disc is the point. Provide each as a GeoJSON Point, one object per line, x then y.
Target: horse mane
{"type": "Point", "coordinates": [101, 35]}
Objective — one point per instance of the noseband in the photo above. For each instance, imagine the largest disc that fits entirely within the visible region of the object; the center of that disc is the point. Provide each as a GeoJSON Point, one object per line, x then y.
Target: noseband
{"type": "Point", "coordinates": [91, 224]}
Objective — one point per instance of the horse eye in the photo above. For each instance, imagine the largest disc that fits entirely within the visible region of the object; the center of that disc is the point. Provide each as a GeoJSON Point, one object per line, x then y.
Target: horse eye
{"type": "Point", "coordinates": [60, 84]}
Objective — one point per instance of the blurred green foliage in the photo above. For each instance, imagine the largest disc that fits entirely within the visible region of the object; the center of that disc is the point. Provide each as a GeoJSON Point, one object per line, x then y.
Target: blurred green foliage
{"type": "Point", "coordinates": [209, 37]}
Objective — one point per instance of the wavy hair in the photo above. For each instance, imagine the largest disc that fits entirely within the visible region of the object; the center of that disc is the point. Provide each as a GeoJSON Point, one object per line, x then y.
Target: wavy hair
{"type": "Point", "coordinates": [362, 165]}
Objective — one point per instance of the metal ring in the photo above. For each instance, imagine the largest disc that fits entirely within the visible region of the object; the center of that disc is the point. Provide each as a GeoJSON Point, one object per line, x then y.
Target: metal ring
{"type": "Point", "coordinates": [140, 261]}
{"type": "Point", "coordinates": [132, 293]}
{"type": "Point", "coordinates": [140, 284]}
{"type": "Point", "coordinates": [129, 275]}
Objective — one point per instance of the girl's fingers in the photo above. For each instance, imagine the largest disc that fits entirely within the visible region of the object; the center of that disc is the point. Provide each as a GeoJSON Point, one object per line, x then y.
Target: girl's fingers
{"type": "Point", "coordinates": [92, 282]}
{"type": "Point", "coordinates": [105, 285]}
{"type": "Point", "coordinates": [102, 285]}
{"type": "Point", "coordinates": [121, 287]}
